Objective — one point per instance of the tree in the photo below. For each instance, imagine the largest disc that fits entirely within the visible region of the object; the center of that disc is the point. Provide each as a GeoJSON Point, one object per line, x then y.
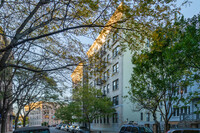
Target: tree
{"type": "Point", "coordinates": [41, 87]}
{"type": "Point", "coordinates": [30, 29]}
{"type": "Point", "coordinates": [187, 47]}
{"type": "Point", "coordinates": [35, 25]}
{"type": "Point", "coordinates": [69, 113]}
{"type": "Point", "coordinates": [88, 105]}
{"type": "Point", "coordinates": [156, 78]}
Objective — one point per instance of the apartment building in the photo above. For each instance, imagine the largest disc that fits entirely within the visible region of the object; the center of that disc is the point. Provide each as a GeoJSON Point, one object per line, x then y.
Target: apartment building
{"type": "Point", "coordinates": [187, 115]}
{"type": "Point", "coordinates": [111, 73]}
{"type": "Point", "coordinates": [43, 112]}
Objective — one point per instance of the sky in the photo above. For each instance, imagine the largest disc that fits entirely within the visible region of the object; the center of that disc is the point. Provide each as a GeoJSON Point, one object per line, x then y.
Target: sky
{"type": "Point", "coordinates": [191, 9]}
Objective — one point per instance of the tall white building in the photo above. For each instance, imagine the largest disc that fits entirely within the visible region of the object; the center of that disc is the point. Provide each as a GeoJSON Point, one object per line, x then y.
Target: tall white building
{"type": "Point", "coordinates": [111, 73]}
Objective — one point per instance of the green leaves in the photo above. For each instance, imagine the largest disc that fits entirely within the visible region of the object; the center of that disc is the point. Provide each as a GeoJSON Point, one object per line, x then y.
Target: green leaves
{"type": "Point", "coordinates": [90, 104]}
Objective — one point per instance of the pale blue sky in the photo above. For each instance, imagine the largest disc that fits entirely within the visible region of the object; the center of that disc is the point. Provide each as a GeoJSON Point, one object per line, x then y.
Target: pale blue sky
{"type": "Point", "coordinates": [191, 9]}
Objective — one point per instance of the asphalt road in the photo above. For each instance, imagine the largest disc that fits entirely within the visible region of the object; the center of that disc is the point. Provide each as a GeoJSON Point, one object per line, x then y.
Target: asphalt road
{"type": "Point", "coordinates": [54, 130]}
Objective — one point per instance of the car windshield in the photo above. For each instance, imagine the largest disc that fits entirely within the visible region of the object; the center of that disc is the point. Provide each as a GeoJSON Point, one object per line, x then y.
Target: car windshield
{"type": "Point", "coordinates": [142, 130]}
{"type": "Point", "coordinates": [147, 129]}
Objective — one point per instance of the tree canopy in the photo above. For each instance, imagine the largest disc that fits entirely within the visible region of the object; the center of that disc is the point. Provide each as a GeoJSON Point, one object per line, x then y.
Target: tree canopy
{"type": "Point", "coordinates": [88, 104]}
{"type": "Point", "coordinates": [166, 68]}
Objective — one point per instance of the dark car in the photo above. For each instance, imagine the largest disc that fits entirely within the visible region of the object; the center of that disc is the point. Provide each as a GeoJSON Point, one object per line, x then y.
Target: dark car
{"type": "Point", "coordinates": [36, 129]}
{"type": "Point", "coordinates": [184, 130]}
{"type": "Point", "coordinates": [129, 128]}
{"type": "Point", "coordinates": [58, 126]}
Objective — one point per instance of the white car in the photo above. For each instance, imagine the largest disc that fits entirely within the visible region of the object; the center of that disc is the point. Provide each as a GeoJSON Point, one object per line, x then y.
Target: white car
{"type": "Point", "coordinates": [63, 126]}
{"type": "Point", "coordinates": [71, 128]}
{"type": "Point", "coordinates": [67, 127]}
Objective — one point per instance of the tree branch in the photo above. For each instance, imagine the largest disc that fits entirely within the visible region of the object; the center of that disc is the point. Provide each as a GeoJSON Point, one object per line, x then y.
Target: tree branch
{"type": "Point", "coordinates": [38, 70]}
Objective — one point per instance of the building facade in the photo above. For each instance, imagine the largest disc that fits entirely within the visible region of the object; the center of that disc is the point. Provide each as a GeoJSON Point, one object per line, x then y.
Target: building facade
{"type": "Point", "coordinates": [187, 115]}
{"type": "Point", "coordinates": [110, 70]}
{"type": "Point", "coordinates": [43, 112]}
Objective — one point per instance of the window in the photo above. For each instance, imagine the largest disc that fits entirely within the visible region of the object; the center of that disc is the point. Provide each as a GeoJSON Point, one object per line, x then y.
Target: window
{"type": "Point", "coordinates": [177, 112]}
{"type": "Point", "coordinates": [115, 84]}
{"type": "Point", "coordinates": [174, 111]}
{"type": "Point", "coordinates": [116, 100]}
{"type": "Point", "coordinates": [104, 90]}
{"type": "Point", "coordinates": [108, 74]}
{"type": "Point", "coordinates": [108, 43]}
{"type": "Point", "coordinates": [108, 88]}
{"type": "Point", "coordinates": [104, 62]}
{"type": "Point", "coordinates": [104, 119]}
{"type": "Point", "coordinates": [141, 116]}
{"type": "Point", "coordinates": [116, 68]}
{"type": "Point", "coordinates": [184, 89]}
{"type": "Point", "coordinates": [115, 51]}
{"type": "Point", "coordinates": [185, 111]}
{"type": "Point", "coordinates": [188, 109]}
{"type": "Point", "coordinates": [108, 57]}
{"type": "Point", "coordinates": [182, 111]}
{"type": "Point", "coordinates": [105, 75]}
{"type": "Point", "coordinates": [100, 120]}
{"type": "Point", "coordinates": [107, 118]}
{"type": "Point", "coordinates": [148, 116]}
{"type": "Point", "coordinates": [115, 118]}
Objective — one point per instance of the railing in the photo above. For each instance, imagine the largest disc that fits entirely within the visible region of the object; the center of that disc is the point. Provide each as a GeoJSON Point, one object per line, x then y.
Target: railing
{"type": "Point", "coordinates": [190, 117]}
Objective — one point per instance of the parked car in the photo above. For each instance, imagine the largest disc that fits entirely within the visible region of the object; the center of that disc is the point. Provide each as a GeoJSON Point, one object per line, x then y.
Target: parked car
{"type": "Point", "coordinates": [53, 125]}
{"type": "Point", "coordinates": [71, 128]}
{"type": "Point", "coordinates": [63, 126]}
{"type": "Point", "coordinates": [36, 129]}
{"type": "Point", "coordinates": [58, 126]}
{"type": "Point", "coordinates": [67, 127]}
{"type": "Point", "coordinates": [130, 128]}
{"type": "Point", "coordinates": [82, 129]}
{"type": "Point", "coordinates": [184, 130]}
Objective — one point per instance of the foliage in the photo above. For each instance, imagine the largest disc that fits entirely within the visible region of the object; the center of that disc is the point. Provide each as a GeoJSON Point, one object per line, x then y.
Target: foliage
{"type": "Point", "coordinates": [187, 47]}
{"type": "Point", "coordinates": [67, 113]}
{"type": "Point", "coordinates": [88, 105]}
{"type": "Point", "coordinates": [45, 124]}
{"type": "Point", "coordinates": [93, 102]}
{"type": "Point", "coordinates": [158, 74]}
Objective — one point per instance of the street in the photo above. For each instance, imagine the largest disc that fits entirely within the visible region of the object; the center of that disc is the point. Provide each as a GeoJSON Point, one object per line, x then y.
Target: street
{"type": "Point", "coordinates": [54, 130]}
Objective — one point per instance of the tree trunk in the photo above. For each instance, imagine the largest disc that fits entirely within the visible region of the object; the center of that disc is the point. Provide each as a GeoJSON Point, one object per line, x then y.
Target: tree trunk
{"type": "Point", "coordinates": [16, 121]}
{"type": "Point", "coordinates": [89, 126]}
{"type": "Point", "coordinates": [24, 121]}
{"type": "Point", "coordinates": [3, 122]}
{"type": "Point", "coordinates": [167, 126]}
{"type": "Point", "coordinates": [157, 123]}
